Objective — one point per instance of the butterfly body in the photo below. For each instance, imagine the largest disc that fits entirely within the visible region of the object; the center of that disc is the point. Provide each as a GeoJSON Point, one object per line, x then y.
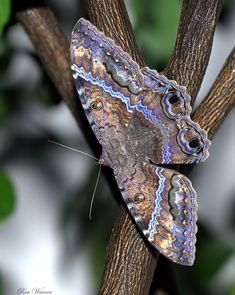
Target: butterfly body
{"type": "Point", "coordinates": [142, 120]}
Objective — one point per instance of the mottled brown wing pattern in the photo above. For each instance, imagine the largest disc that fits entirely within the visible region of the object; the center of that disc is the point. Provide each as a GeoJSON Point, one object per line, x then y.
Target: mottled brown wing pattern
{"type": "Point", "coordinates": [163, 114]}
{"type": "Point", "coordinates": [163, 204]}
{"type": "Point", "coordinates": [141, 119]}
{"type": "Point", "coordinates": [104, 79]}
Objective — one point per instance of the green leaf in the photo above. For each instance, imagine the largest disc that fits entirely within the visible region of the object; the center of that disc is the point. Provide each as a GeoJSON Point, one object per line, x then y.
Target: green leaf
{"type": "Point", "coordinates": [156, 28]}
{"type": "Point", "coordinates": [5, 9]}
{"type": "Point", "coordinates": [7, 196]}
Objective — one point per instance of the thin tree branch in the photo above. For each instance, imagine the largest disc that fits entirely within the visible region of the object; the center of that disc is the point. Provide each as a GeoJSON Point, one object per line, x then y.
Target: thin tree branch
{"type": "Point", "coordinates": [220, 100]}
{"type": "Point", "coordinates": [130, 262]}
{"type": "Point", "coordinates": [193, 43]}
{"type": "Point", "coordinates": [213, 110]}
{"type": "Point", "coordinates": [51, 45]}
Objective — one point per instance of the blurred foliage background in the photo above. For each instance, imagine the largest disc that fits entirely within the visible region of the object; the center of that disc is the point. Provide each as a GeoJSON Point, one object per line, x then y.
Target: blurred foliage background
{"type": "Point", "coordinates": [47, 190]}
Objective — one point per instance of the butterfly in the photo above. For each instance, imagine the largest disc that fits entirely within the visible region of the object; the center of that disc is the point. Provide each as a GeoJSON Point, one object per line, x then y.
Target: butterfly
{"type": "Point", "coordinates": [142, 120]}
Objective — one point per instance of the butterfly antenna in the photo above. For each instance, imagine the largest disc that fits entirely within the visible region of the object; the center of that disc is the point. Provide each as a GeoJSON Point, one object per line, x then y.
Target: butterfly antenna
{"type": "Point", "coordinates": [98, 175]}
{"type": "Point", "coordinates": [72, 149]}
{"type": "Point", "coordinates": [95, 188]}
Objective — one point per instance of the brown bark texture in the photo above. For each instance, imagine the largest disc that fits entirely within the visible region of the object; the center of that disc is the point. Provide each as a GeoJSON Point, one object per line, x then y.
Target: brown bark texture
{"type": "Point", "coordinates": [51, 45]}
{"type": "Point", "coordinates": [220, 99]}
{"type": "Point", "coordinates": [43, 28]}
{"type": "Point", "coordinates": [130, 261]}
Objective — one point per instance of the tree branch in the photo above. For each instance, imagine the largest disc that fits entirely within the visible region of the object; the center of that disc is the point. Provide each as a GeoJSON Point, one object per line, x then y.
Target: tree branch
{"type": "Point", "coordinates": [115, 23]}
{"type": "Point", "coordinates": [193, 44]}
{"type": "Point", "coordinates": [128, 255]}
{"type": "Point", "coordinates": [130, 263]}
{"type": "Point", "coordinates": [51, 45]}
{"type": "Point", "coordinates": [215, 107]}
{"type": "Point", "coordinates": [220, 100]}
{"type": "Point", "coordinates": [188, 61]}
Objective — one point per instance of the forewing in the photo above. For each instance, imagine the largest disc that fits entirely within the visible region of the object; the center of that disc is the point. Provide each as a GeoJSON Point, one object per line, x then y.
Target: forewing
{"type": "Point", "coordinates": [107, 79]}
{"type": "Point", "coordinates": [163, 204]}
{"type": "Point", "coordinates": [163, 118]}
{"type": "Point", "coordinates": [114, 91]}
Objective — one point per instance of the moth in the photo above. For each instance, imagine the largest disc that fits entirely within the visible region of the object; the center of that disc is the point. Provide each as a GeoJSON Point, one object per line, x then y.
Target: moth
{"type": "Point", "coordinates": [142, 120]}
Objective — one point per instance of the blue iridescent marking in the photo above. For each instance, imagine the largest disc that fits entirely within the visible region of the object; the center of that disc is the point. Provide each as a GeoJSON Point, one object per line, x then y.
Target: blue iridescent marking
{"type": "Point", "coordinates": [146, 111]}
{"type": "Point", "coordinates": [166, 153]}
{"type": "Point", "coordinates": [153, 222]}
{"type": "Point", "coordinates": [96, 81]}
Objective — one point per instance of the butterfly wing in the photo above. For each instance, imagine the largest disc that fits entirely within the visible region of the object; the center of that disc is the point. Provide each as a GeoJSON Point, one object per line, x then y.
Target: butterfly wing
{"type": "Point", "coordinates": [107, 81]}
{"type": "Point", "coordinates": [137, 113]}
{"type": "Point", "coordinates": [163, 204]}
{"type": "Point", "coordinates": [162, 116]}
{"type": "Point", "coordinates": [112, 88]}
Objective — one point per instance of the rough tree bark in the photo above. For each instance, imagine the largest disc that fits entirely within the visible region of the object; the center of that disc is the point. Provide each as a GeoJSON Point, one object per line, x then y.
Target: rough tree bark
{"type": "Point", "coordinates": [130, 261]}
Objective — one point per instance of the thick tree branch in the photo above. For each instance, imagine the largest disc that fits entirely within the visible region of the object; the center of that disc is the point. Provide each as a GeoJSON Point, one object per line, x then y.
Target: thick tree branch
{"type": "Point", "coordinates": [130, 262]}
{"type": "Point", "coordinates": [128, 255]}
{"type": "Point", "coordinates": [189, 60]}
